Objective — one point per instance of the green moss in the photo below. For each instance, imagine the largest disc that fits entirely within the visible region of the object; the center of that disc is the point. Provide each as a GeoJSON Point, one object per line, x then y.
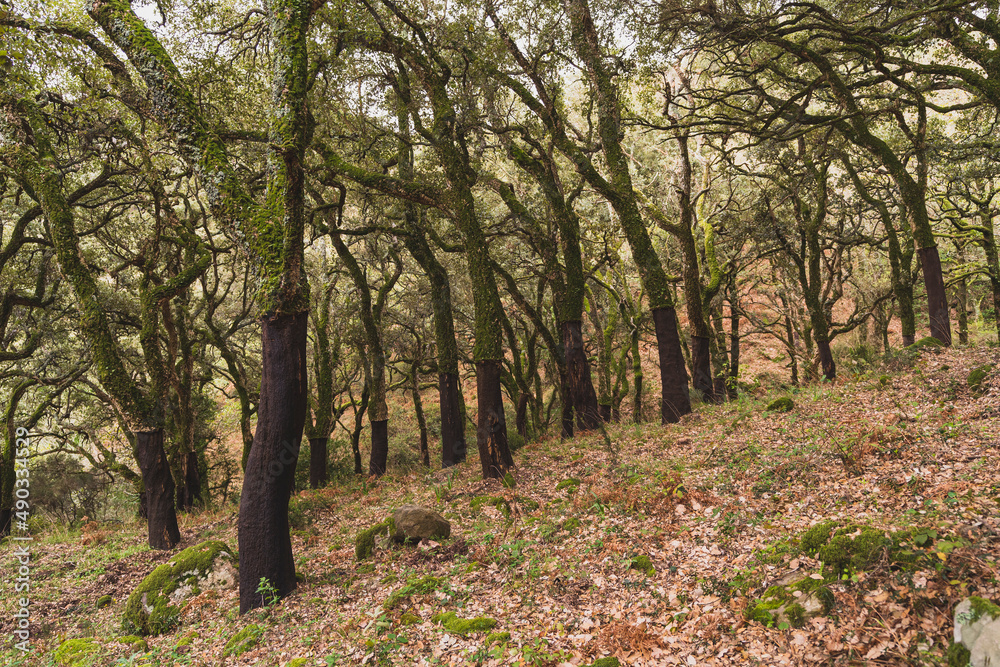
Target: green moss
{"type": "Point", "coordinates": [463, 626]}
{"type": "Point", "coordinates": [847, 553]}
{"type": "Point", "coordinates": [926, 342]}
{"type": "Point", "coordinates": [501, 504]}
{"type": "Point", "coordinates": [610, 661]}
{"type": "Point", "coordinates": [104, 601]}
{"type": "Point", "coordinates": [958, 656]}
{"type": "Point", "coordinates": [571, 483]}
{"type": "Point", "coordinates": [420, 586]}
{"type": "Point", "coordinates": [976, 377]}
{"type": "Point", "coordinates": [186, 640]}
{"type": "Point", "coordinates": [138, 644]}
{"type": "Point", "coordinates": [783, 404]}
{"type": "Point", "coordinates": [297, 662]}
{"type": "Point", "coordinates": [813, 539]}
{"type": "Point", "coordinates": [149, 610]}
{"type": "Point", "coordinates": [528, 503]}
{"type": "Point", "coordinates": [508, 481]}
{"type": "Point", "coordinates": [364, 541]}
{"type": "Point", "coordinates": [76, 651]}
{"type": "Point", "coordinates": [983, 607]}
{"type": "Point", "coordinates": [569, 525]}
{"type": "Point", "coordinates": [409, 619]}
{"type": "Point", "coordinates": [884, 380]}
{"type": "Point", "coordinates": [496, 638]}
{"type": "Point", "coordinates": [643, 564]}
{"type": "Point", "coordinates": [243, 641]}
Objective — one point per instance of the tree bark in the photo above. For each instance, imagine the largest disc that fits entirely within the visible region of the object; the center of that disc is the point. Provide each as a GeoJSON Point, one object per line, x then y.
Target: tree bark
{"type": "Point", "coordinates": [453, 445]}
{"type": "Point", "coordinates": [701, 367]}
{"type": "Point", "coordinates": [317, 462]}
{"type": "Point", "coordinates": [581, 386]}
{"type": "Point", "coordinates": [732, 381]}
{"type": "Point", "coordinates": [265, 546]}
{"type": "Point", "coordinates": [159, 484]}
{"type": "Point", "coordinates": [379, 457]}
{"type": "Point", "coordinates": [673, 375]}
{"type": "Point", "coordinates": [937, 299]}
{"type": "Point", "coordinates": [491, 434]}
{"type": "Point", "coordinates": [521, 420]}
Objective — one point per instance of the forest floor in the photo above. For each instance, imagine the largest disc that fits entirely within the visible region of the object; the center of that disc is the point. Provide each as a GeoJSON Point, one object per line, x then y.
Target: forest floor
{"type": "Point", "coordinates": [718, 504]}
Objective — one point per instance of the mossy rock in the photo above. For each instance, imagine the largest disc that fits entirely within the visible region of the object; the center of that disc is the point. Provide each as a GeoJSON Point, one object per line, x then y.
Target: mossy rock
{"type": "Point", "coordinates": [642, 564]}
{"type": "Point", "coordinates": [409, 619]}
{"type": "Point", "coordinates": [783, 404]}
{"type": "Point", "coordinates": [849, 551]}
{"type": "Point", "coordinates": [104, 601]}
{"type": "Point", "coordinates": [958, 655]}
{"type": "Point", "coordinates": [186, 640]}
{"type": "Point", "coordinates": [610, 661]}
{"type": "Point", "coordinates": [501, 504]}
{"type": "Point", "coordinates": [364, 541]}
{"type": "Point", "coordinates": [816, 537]}
{"type": "Point", "coordinates": [976, 377]}
{"type": "Point", "coordinates": [496, 638]}
{"type": "Point", "coordinates": [571, 484]}
{"type": "Point", "coordinates": [463, 626]}
{"type": "Point", "coordinates": [793, 602]}
{"type": "Point", "coordinates": [884, 381]}
{"type": "Point", "coordinates": [154, 606]}
{"type": "Point", "coordinates": [243, 641]}
{"type": "Point", "coordinates": [508, 480]}
{"type": "Point", "coordinates": [76, 651]}
{"type": "Point", "coordinates": [926, 343]}
{"type": "Point", "coordinates": [297, 662]}
{"type": "Point", "coordinates": [137, 644]}
{"type": "Point", "coordinates": [421, 586]}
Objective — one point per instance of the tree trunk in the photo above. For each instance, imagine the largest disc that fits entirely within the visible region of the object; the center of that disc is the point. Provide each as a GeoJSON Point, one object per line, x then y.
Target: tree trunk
{"type": "Point", "coordinates": [491, 435]}
{"type": "Point", "coordinates": [937, 300]}
{"type": "Point", "coordinates": [581, 386]}
{"type": "Point", "coordinates": [159, 484]}
{"type": "Point", "coordinates": [732, 382]}
{"type": "Point", "coordinates": [673, 375]}
{"type": "Point", "coordinates": [265, 547]}
{"type": "Point", "coordinates": [317, 462]}
{"type": "Point", "coordinates": [418, 408]}
{"type": "Point", "coordinates": [701, 367]}
{"type": "Point", "coordinates": [452, 429]}
{"type": "Point", "coordinates": [566, 399]}
{"type": "Point", "coordinates": [191, 492]}
{"type": "Point", "coordinates": [521, 420]}
{"type": "Point", "coordinates": [963, 311]}
{"type": "Point", "coordinates": [380, 448]}
{"type": "Point", "coordinates": [605, 413]}
{"type": "Point", "coordinates": [359, 424]}
{"type": "Point", "coordinates": [826, 359]}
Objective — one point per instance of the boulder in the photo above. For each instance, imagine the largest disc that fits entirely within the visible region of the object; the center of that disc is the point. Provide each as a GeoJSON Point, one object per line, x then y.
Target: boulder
{"type": "Point", "coordinates": [793, 600]}
{"type": "Point", "coordinates": [154, 606]}
{"type": "Point", "coordinates": [413, 523]}
{"type": "Point", "coordinates": [977, 628]}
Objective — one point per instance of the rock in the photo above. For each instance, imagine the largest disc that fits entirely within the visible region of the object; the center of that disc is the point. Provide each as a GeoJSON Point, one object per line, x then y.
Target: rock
{"type": "Point", "coordinates": [154, 606]}
{"type": "Point", "coordinates": [415, 523]}
{"type": "Point", "coordinates": [976, 377]}
{"type": "Point", "coordinates": [364, 541]}
{"type": "Point", "coordinates": [783, 404]}
{"type": "Point", "coordinates": [795, 599]}
{"type": "Point", "coordinates": [104, 601]}
{"type": "Point", "coordinates": [926, 343]}
{"type": "Point", "coordinates": [977, 628]}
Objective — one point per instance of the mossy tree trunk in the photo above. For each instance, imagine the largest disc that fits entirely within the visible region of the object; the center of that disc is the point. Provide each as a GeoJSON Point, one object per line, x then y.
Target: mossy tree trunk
{"type": "Point", "coordinates": [453, 446]}
{"type": "Point", "coordinates": [675, 401]}
{"type": "Point", "coordinates": [370, 313]}
{"type": "Point", "coordinates": [272, 237]}
{"type": "Point", "coordinates": [30, 155]}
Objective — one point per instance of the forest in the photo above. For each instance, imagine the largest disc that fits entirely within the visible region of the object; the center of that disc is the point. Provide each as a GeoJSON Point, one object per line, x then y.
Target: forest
{"type": "Point", "coordinates": [513, 332]}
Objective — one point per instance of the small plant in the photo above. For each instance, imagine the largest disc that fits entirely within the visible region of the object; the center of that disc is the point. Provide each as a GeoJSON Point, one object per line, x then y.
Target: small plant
{"type": "Point", "coordinates": [268, 592]}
